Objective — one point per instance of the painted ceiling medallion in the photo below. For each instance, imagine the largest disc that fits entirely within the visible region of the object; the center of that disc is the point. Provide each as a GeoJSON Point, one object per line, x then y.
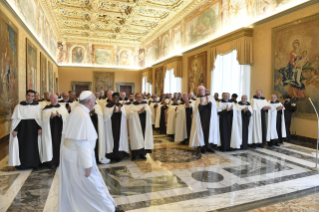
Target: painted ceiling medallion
{"type": "Point", "coordinates": [111, 21]}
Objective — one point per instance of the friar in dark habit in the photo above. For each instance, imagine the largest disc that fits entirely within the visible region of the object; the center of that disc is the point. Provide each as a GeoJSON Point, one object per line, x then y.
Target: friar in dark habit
{"type": "Point", "coordinates": [54, 116]}
{"type": "Point", "coordinates": [160, 121]}
{"type": "Point", "coordinates": [244, 123]}
{"type": "Point", "coordinates": [25, 137]}
{"type": "Point", "coordinates": [66, 101]}
{"type": "Point", "coordinates": [115, 130]}
{"type": "Point", "coordinates": [184, 120]}
{"type": "Point", "coordinates": [204, 131]}
{"type": "Point", "coordinates": [141, 133]}
{"type": "Point", "coordinates": [260, 106]}
{"type": "Point", "coordinates": [276, 129]}
{"type": "Point", "coordinates": [290, 108]}
{"type": "Point", "coordinates": [225, 112]}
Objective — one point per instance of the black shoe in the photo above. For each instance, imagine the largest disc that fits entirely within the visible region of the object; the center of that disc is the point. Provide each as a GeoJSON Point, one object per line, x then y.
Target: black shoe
{"type": "Point", "coordinates": [35, 168]}
{"type": "Point", "coordinates": [143, 157]}
{"type": "Point", "coordinates": [203, 150]}
{"type": "Point", "coordinates": [133, 158]}
{"type": "Point", "coordinates": [119, 210]}
{"type": "Point", "coordinates": [276, 144]}
{"type": "Point", "coordinates": [210, 150]}
{"type": "Point", "coordinates": [262, 146]}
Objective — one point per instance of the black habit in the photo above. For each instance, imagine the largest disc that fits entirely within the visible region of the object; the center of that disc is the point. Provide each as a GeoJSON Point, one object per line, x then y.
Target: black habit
{"type": "Point", "coordinates": [205, 113]}
{"type": "Point", "coordinates": [225, 127]}
{"type": "Point", "coordinates": [245, 117]}
{"type": "Point", "coordinates": [28, 141]}
{"type": "Point", "coordinates": [163, 119]}
{"type": "Point", "coordinates": [289, 110]}
{"type": "Point", "coordinates": [95, 121]}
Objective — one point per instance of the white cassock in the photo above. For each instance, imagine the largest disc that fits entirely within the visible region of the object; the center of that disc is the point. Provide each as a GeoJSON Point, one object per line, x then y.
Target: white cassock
{"type": "Point", "coordinates": [272, 122]}
{"type": "Point", "coordinates": [237, 141]}
{"type": "Point", "coordinates": [137, 140]}
{"type": "Point", "coordinates": [109, 138]}
{"type": "Point", "coordinates": [46, 129]}
{"type": "Point", "coordinates": [25, 112]}
{"type": "Point", "coordinates": [168, 101]}
{"type": "Point", "coordinates": [257, 105]}
{"type": "Point", "coordinates": [101, 131]}
{"type": "Point", "coordinates": [197, 134]}
{"type": "Point", "coordinates": [234, 131]}
{"type": "Point", "coordinates": [171, 116]}
{"type": "Point", "coordinates": [152, 104]}
{"type": "Point", "coordinates": [181, 120]}
{"type": "Point", "coordinates": [44, 103]}
{"type": "Point", "coordinates": [77, 192]}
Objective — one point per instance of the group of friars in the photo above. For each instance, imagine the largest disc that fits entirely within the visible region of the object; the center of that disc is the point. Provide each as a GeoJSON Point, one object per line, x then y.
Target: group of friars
{"type": "Point", "coordinates": [77, 134]}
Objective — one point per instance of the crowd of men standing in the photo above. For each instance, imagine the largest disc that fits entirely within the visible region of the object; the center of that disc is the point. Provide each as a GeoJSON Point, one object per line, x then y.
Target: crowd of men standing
{"type": "Point", "coordinates": [124, 124]}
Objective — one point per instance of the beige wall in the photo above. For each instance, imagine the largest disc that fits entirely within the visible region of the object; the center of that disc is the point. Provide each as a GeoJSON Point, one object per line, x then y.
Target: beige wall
{"type": "Point", "coordinates": [5, 127]}
{"type": "Point", "coordinates": [69, 74]}
{"type": "Point", "coordinates": [261, 72]}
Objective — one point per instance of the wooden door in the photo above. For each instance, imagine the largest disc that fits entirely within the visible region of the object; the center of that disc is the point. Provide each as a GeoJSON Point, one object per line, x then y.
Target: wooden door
{"type": "Point", "coordinates": [126, 88]}
{"type": "Point", "coordinates": [80, 88]}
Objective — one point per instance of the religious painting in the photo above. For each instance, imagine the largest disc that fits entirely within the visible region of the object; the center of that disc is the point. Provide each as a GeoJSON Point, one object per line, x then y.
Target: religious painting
{"type": "Point", "coordinates": [295, 63]}
{"type": "Point", "coordinates": [103, 81]}
{"type": "Point", "coordinates": [141, 58]}
{"type": "Point", "coordinates": [40, 24]}
{"type": "Point", "coordinates": [78, 55]}
{"type": "Point", "coordinates": [197, 66]}
{"type": "Point", "coordinates": [177, 39]}
{"type": "Point", "coordinates": [50, 76]}
{"type": "Point", "coordinates": [53, 47]}
{"type": "Point", "coordinates": [159, 81]}
{"type": "Point", "coordinates": [103, 55]}
{"type": "Point", "coordinates": [60, 55]}
{"type": "Point", "coordinates": [165, 47]}
{"type": "Point", "coordinates": [28, 13]}
{"type": "Point", "coordinates": [9, 84]}
{"type": "Point", "coordinates": [125, 57]}
{"type": "Point", "coordinates": [56, 84]}
{"type": "Point", "coordinates": [203, 24]}
{"type": "Point", "coordinates": [32, 67]}
{"type": "Point", "coordinates": [232, 12]}
{"type": "Point", "coordinates": [43, 74]}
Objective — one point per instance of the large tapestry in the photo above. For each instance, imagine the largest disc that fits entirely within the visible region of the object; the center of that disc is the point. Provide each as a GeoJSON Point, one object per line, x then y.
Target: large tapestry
{"type": "Point", "coordinates": [50, 76]}
{"type": "Point", "coordinates": [9, 68]}
{"type": "Point", "coordinates": [31, 66]}
{"type": "Point", "coordinates": [197, 66]}
{"type": "Point", "coordinates": [43, 74]}
{"type": "Point", "coordinates": [103, 81]}
{"type": "Point", "coordinates": [159, 81]}
{"type": "Point", "coordinates": [295, 62]}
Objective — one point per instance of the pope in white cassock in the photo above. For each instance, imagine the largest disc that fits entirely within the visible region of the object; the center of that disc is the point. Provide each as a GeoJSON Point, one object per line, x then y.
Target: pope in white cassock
{"type": "Point", "coordinates": [81, 186]}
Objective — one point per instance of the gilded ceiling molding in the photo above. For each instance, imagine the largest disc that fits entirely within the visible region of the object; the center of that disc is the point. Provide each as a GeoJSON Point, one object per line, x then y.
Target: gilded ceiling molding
{"type": "Point", "coordinates": [52, 22]}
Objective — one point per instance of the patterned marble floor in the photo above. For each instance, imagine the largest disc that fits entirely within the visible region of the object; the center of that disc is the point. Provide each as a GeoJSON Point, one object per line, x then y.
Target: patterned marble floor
{"type": "Point", "coordinates": [177, 178]}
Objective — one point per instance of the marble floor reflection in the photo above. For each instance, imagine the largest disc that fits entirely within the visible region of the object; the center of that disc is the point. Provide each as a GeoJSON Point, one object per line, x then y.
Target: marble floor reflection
{"type": "Point", "coordinates": [178, 178]}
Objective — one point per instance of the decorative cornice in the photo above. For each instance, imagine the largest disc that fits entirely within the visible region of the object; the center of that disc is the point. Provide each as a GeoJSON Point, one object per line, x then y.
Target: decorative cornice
{"type": "Point", "coordinates": [22, 24]}
{"type": "Point", "coordinates": [146, 70]}
{"type": "Point", "coordinates": [169, 60]}
{"type": "Point", "coordinates": [47, 9]}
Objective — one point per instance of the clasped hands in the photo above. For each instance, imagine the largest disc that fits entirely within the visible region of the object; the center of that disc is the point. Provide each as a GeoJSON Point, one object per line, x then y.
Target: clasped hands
{"type": "Point", "coordinates": [142, 110]}
{"type": "Point", "coordinates": [119, 107]}
{"type": "Point", "coordinates": [55, 114]}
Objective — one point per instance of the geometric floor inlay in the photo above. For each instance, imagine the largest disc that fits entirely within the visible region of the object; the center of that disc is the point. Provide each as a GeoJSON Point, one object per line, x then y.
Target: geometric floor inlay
{"type": "Point", "coordinates": [207, 176]}
{"type": "Point", "coordinates": [120, 182]}
{"type": "Point", "coordinates": [6, 181]}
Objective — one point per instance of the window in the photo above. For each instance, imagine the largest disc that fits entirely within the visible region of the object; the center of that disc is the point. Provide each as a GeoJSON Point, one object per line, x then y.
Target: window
{"type": "Point", "coordinates": [146, 87]}
{"type": "Point", "coordinates": [229, 76]}
{"type": "Point", "coordinates": [172, 84]}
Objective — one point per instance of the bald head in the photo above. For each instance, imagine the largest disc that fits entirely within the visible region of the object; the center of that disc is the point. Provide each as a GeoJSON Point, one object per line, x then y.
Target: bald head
{"type": "Point", "coordinates": [65, 96]}
{"type": "Point", "coordinates": [201, 90]}
{"type": "Point", "coordinates": [259, 93]}
{"type": "Point", "coordinates": [244, 98]}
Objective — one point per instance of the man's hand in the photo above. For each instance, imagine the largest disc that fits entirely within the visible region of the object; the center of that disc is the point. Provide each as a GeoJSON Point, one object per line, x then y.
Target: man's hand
{"type": "Point", "coordinates": [69, 108]}
{"type": "Point", "coordinates": [175, 109]}
{"type": "Point", "coordinates": [14, 133]}
{"type": "Point", "coordinates": [88, 172]}
{"type": "Point", "coordinates": [230, 108]}
{"type": "Point", "coordinates": [141, 110]}
{"type": "Point", "coordinates": [58, 114]}
{"type": "Point", "coordinates": [52, 115]}
{"type": "Point", "coordinates": [293, 104]}
{"type": "Point", "coordinates": [114, 109]}
{"type": "Point", "coordinates": [265, 108]}
{"type": "Point", "coordinates": [187, 104]}
{"type": "Point", "coordinates": [120, 108]}
{"type": "Point", "coordinates": [245, 109]}
{"type": "Point", "coordinates": [280, 108]}
{"type": "Point", "coordinates": [39, 132]}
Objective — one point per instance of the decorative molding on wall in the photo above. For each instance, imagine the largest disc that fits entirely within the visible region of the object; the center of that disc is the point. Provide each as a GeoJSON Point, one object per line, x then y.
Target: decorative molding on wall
{"type": "Point", "coordinates": [119, 84]}
{"type": "Point", "coordinates": [22, 24]}
{"type": "Point", "coordinates": [169, 60]}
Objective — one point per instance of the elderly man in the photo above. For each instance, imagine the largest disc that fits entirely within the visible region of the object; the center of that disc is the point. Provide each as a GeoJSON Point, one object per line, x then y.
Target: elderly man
{"type": "Point", "coordinates": [191, 96]}
{"type": "Point", "coordinates": [123, 99]}
{"type": "Point", "coordinates": [276, 129]}
{"type": "Point", "coordinates": [66, 101]}
{"type": "Point", "coordinates": [81, 186]}
{"type": "Point", "coordinates": [46, 100]}
{"type": "Point", "coordinates": [204, 130]}
{"type": "Point", "coordinates": [25, 137]}
{"type": "Point", "coordinates": [37, 97]}
{"type": "Point", "coordinates": [102, 95]}
{"type": "Point", "coordinates": [53, 119]}
{"type": "Point", "coordinates": [245, 125]}
{"type": "Point", "coordinates": [97, 94]}
{"type": "Point", "coordinates": [260, 106]}
{"type": "Point", "coordinates": [184, 120]}
{"type": "Point", "coordinates": [141, 134]}
{"type": "Point", "coordinates": [73, 96]}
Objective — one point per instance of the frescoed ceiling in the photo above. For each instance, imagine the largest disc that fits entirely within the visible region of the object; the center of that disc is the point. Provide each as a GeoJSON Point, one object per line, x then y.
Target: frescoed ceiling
{"type": "Point", "coordinates": [115, 21]}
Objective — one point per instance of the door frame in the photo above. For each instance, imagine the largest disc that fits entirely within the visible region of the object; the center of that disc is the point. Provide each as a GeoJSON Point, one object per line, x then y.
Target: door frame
{"type": "Point", "coordinates": [119, 84]}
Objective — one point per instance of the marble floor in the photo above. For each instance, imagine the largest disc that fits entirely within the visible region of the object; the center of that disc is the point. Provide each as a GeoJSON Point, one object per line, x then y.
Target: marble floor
{"type": "Point", "coordinates": [178, 178]}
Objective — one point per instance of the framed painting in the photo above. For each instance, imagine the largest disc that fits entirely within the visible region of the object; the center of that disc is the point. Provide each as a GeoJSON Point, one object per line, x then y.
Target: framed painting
{"type": "Point", "coordinates": [103, 81]}
{"type": "Point", "coordinates": [295, 64]}
{"type": "Point", "coordinates": [43, 74]}
{"type": "Point", "coordinates": [78, 87]}
{"type": "Point", "coordinates": [159, 81]}
{"type": "Point", "coordinates": [50, 77]}
{"type": "Point", "coordinates": [103, 55]}
{"type": "Point", "coordinates": [9, 60]}
{"type": "Point", "coordinates": [32, 67]}
{"type": "Point", "coordinates": [203, 24]}
{"type": "Point", "coordinates": [197, 68]}
{"type": "Point", "coordinates": [78, 54]}
{"type": "Point", "coordinates": [127, 87]}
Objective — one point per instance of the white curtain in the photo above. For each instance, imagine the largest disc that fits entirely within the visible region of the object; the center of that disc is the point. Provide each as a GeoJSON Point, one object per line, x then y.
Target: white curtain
{"type": "Point", "coordinates": [172, 84]}
{"type": "Point", "coordinates": [229, 76]}
{"type": "Point", "coordinates": [146, 87]}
